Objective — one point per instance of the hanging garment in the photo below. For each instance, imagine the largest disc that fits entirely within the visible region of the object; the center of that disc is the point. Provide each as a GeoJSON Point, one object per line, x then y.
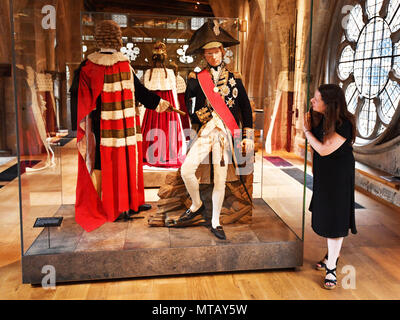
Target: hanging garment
{"type": "Point", "coordinates": [108, 87]}
{"type": "Point", "coordinates": [162, 132]}
{"type": "Point", "coordinates": [47, 102]}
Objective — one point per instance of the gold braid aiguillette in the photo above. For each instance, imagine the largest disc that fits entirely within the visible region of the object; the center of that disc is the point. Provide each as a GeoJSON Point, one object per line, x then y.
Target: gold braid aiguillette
{"type": "Point", "coordinates": [204, 115]}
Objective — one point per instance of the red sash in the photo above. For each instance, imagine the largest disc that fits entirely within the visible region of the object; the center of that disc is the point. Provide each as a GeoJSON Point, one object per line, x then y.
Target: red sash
{"type": "Point", "coordinates": [218, 103]}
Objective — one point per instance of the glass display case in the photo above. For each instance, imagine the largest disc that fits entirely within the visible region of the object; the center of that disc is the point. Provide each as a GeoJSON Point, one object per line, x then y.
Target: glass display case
{"type": "Point", "coordinates": [265, 234]}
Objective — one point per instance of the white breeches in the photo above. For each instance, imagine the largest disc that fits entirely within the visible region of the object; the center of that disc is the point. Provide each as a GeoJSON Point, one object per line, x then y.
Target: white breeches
{"type": "Point", "coordinates": [217, 142]}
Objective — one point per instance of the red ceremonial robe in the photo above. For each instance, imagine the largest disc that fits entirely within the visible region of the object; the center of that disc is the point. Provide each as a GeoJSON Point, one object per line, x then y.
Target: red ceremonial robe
{"type": "Point", "coordinates": [162, 132]}
{"type": "Point", "coordinates": [111, 77]}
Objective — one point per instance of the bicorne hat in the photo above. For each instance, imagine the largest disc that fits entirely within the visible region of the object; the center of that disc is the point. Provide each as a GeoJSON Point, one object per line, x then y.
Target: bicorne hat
{"type": "Point", "coordinates": [210, 35]}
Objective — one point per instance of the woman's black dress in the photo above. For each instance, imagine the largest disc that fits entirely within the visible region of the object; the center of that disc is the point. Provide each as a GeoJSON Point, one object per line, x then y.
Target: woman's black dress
{"type": "Point", "coordinates": [332, 203]}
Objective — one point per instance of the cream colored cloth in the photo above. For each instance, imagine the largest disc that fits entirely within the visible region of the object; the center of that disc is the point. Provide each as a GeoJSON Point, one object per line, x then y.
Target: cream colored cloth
{"type": "Point", "coordinates": [217, 142]}
{"type": "Point", "coordinates": [215, 122]}
{"type": "Point", "coordinates": [159, 81]}
{"type": "Point", "coordinates": [180, 84]}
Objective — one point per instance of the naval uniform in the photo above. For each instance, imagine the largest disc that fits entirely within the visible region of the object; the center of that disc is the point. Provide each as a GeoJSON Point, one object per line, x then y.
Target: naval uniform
{"type": "Point", "coordinates": [213, 136]}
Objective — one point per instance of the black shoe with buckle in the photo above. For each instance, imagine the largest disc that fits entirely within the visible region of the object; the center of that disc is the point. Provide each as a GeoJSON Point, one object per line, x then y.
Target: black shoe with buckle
{"type": "Point", "coordinates": [124, 216]}
{"type": "Point", "coordinates": [189, 214]}
{"type": "Point", "coordinates": [143, 207]}
{"type": "Point", "coordinates": [218, 232]}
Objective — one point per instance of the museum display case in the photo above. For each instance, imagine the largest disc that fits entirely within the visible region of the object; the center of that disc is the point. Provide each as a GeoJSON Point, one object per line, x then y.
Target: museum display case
{"type": "Point", "coordinates": [264, 233]}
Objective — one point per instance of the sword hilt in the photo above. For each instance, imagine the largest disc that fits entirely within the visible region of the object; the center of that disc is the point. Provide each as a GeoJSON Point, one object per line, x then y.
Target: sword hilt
{"type": "Point", "coordinates": [182, 113]}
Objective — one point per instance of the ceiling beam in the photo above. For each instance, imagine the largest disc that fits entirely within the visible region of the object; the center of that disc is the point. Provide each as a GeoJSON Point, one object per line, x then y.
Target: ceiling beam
{"type": "Point", "coordinates": [172, 7]}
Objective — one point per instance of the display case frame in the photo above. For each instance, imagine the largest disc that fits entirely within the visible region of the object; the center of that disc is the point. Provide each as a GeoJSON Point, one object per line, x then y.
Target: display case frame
{"type": "Point", "coordinates": [254, 246]}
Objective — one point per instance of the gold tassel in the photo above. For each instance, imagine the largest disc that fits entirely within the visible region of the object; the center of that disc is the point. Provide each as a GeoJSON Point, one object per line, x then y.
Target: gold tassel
{"type": "Point", "coordinates": [222, 142]}
{"type": "Point", "coordinates": [96, 179]}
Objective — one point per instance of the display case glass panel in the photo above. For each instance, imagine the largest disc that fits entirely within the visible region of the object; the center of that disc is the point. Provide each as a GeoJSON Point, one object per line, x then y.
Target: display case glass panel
{"type": "Point", "coordinates": [45, 60]}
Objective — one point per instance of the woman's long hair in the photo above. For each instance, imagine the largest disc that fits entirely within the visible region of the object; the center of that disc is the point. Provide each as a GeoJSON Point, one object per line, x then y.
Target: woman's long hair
{"type": "Point", "coordinates": [336, 109]}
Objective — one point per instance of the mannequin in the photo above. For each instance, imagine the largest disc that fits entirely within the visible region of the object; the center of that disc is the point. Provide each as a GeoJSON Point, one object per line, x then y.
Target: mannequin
{"type": "Point", "coordinates": [33, 134]}
{"type": "Point", "coordinates": [218, 111]}
{"type": "Point", "coordinates": [162, 132]}
{"type": "Point", "coordinates": [110, 170]}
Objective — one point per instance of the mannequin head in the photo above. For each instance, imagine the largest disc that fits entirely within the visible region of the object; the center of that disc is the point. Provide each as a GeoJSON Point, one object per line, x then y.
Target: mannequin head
{"type": "Point", "coordinates": [108, 35]}
{"type": "Point", "coordinates": [214, 56]}
{"type": "Point", "coordinates": [159, 54]}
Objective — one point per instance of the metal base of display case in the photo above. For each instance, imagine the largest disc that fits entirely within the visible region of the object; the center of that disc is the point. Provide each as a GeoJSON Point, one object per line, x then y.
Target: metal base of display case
{"type": "Point", "coordinates": [133, 249]}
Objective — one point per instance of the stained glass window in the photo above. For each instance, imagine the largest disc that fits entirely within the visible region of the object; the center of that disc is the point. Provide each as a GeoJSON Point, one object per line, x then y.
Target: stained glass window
{"type": "Point", "coordinates": [366, 62]}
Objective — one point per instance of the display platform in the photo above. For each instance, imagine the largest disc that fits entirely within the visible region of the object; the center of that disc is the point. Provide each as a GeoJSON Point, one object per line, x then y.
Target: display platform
{"type": "Point", "coordinates": [133, 249]}
{"type": "Point", "coordinates": [154, 177]}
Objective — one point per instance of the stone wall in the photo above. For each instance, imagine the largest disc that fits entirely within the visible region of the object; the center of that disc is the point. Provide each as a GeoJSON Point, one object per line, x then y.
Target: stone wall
{"type": "Point", "coordinates": [378, 189]}
{"type": "Point", "coordinates": [385, 159]}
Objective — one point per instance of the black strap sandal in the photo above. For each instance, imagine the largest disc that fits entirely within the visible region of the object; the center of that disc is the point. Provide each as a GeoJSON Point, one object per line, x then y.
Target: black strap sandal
{"type": "Point", "coordinates": [330, 283]}
{"type": "Point", "coordinates": [321, 264]}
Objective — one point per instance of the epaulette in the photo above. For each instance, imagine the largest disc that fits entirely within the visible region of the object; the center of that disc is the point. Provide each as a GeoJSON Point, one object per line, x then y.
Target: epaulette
{"type": "Point", "coordinates": [237, 75]}
{"type": "Point", "coordinates": [192, 75]}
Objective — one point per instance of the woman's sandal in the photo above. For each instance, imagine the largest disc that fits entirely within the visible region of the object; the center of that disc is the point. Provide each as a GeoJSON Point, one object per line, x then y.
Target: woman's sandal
{"type": "Point", "coordinates": [321, 264]}
{"type": "Point", "coordinates": [330, 284]}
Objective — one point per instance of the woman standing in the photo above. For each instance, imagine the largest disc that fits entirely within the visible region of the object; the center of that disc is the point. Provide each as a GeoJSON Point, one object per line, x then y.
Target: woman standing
{"type": "Point", "coordinates": [330, 129]}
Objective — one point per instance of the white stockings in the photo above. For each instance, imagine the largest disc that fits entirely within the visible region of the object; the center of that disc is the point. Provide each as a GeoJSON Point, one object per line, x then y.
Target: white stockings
{"type": "Point", "coordinates": [334, 246]}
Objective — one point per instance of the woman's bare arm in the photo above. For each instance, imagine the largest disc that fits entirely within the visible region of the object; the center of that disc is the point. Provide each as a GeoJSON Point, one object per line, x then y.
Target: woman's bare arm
{"type": "Point", "coordinates": [330, 145]}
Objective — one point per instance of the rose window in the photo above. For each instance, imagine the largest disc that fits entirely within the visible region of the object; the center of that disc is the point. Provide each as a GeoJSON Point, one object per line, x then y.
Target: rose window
{"type": "Point", "coordinates": [369, 66]}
